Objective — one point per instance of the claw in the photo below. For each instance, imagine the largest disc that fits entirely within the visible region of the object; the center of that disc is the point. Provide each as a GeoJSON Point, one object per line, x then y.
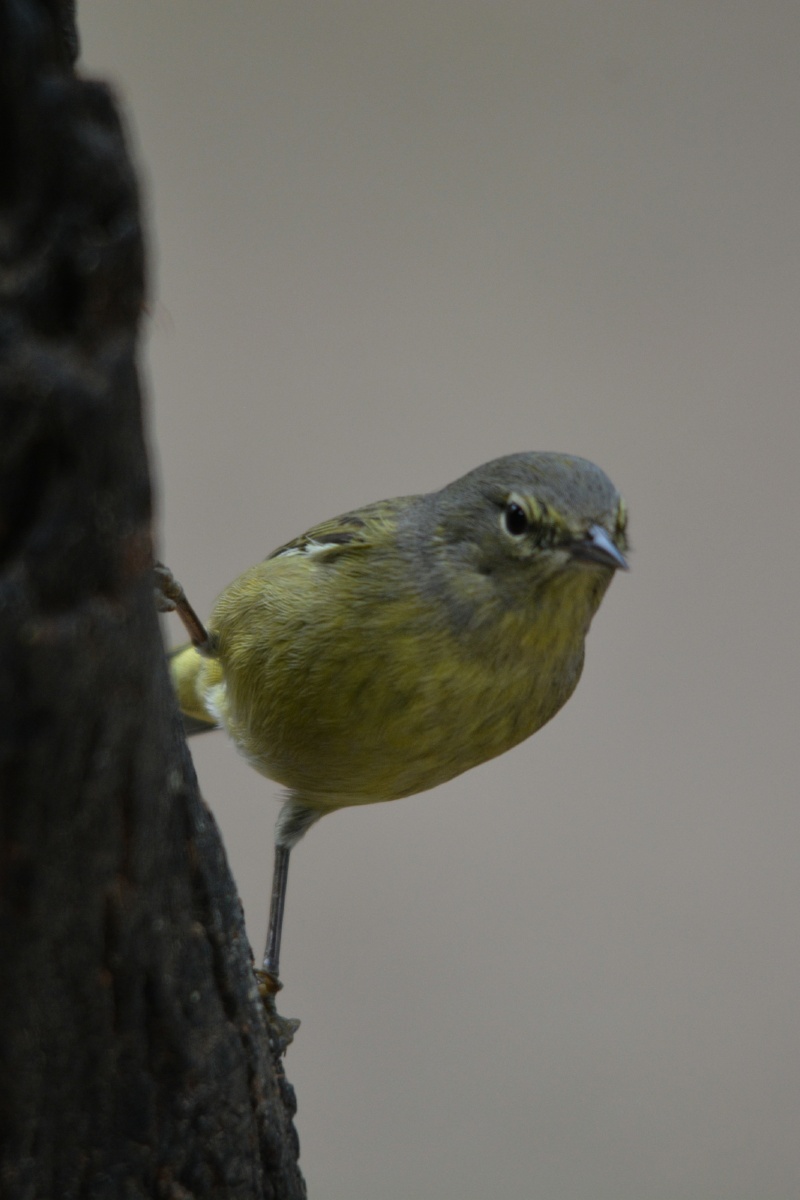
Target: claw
{"type": "Point", "coordinates": [170, 597]}
{"type": "Point", "coordinates": [281, 1029]}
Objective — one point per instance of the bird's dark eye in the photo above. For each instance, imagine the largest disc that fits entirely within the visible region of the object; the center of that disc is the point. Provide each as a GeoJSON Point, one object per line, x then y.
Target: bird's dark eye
{"type": "Point", "coordinates": [516, 522]}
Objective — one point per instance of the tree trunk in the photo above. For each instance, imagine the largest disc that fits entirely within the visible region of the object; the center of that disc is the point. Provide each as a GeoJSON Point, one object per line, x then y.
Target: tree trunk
{"type": "Point", "coordinates": [134, 1059]}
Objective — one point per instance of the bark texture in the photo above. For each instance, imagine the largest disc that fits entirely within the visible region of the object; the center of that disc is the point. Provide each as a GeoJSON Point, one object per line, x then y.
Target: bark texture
{"type": "Point", "coordinates": [134, 1059]}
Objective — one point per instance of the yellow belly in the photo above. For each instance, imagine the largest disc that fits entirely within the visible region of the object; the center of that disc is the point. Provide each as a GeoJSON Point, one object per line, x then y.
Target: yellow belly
{"type": "Point", "coordinates": [380, 703]}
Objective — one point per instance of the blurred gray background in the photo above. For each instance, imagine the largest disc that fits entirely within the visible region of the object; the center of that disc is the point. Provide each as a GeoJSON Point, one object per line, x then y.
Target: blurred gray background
{"type": "Point", "coordinates": [391, 241]}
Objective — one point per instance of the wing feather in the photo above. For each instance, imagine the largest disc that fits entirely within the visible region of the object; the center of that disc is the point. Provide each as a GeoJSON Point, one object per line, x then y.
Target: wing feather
{"type": "Point", "coordinates": [352, 531]}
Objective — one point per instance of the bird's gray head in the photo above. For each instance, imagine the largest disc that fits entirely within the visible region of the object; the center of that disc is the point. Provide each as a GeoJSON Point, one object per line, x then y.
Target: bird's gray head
{"type": "Point", "coordinates": [521, 521]}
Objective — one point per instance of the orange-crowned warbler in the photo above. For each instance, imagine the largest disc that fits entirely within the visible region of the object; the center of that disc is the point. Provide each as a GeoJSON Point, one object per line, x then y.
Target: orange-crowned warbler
{"type": "Point", "coordinates": [390, 649]}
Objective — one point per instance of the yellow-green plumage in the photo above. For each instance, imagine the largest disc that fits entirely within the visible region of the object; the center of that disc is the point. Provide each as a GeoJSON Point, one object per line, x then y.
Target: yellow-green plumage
{"type": "Point", "coordinates": [394, 647]}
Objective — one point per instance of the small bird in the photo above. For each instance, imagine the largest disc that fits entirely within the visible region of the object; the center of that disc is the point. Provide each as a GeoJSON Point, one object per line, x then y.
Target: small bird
{"type": "Point", "coordinates": [389, 649]}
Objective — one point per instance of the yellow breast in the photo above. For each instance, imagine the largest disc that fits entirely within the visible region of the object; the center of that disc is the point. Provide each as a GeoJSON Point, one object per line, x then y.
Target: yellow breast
{"type": "Point", "coordinates": [345, 696]}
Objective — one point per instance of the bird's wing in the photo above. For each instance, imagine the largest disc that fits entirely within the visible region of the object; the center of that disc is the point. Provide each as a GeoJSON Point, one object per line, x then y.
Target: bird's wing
{"type": "Point", "coordinates": [361, 529]}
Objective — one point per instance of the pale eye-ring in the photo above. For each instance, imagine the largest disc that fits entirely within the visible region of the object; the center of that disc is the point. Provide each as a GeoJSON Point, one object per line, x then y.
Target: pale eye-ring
{"type": "Point", "coordinates": [515, 519]}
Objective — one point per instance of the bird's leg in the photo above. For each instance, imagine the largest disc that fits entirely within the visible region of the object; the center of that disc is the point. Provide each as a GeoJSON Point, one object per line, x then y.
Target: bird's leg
{"type": "Point", "coordinates": [280, 875]}
{"type": "Point", "coordinates": [294, 819]}
{"type": "Point", "coordinates": [170, 597]}
{"type": "Point", "coordinates": [283, 1029]}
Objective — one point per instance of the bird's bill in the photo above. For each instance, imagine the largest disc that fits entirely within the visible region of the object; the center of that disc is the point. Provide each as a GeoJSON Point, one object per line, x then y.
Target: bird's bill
{"type": "Point", "coordinates": [597, 547]}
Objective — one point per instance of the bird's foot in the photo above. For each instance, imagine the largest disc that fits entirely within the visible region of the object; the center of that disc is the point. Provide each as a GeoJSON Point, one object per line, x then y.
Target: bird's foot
{"type": "Point", "coordinates": [170, 597]}
{"type": "Point", "coordinates": [281, 1029]}
{"type": "Point", "coordinates": [167, 589]}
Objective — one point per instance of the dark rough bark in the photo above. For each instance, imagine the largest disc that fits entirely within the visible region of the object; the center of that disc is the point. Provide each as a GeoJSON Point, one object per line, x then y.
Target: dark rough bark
{"type": "Point", "coordinates": [133, 1054]}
